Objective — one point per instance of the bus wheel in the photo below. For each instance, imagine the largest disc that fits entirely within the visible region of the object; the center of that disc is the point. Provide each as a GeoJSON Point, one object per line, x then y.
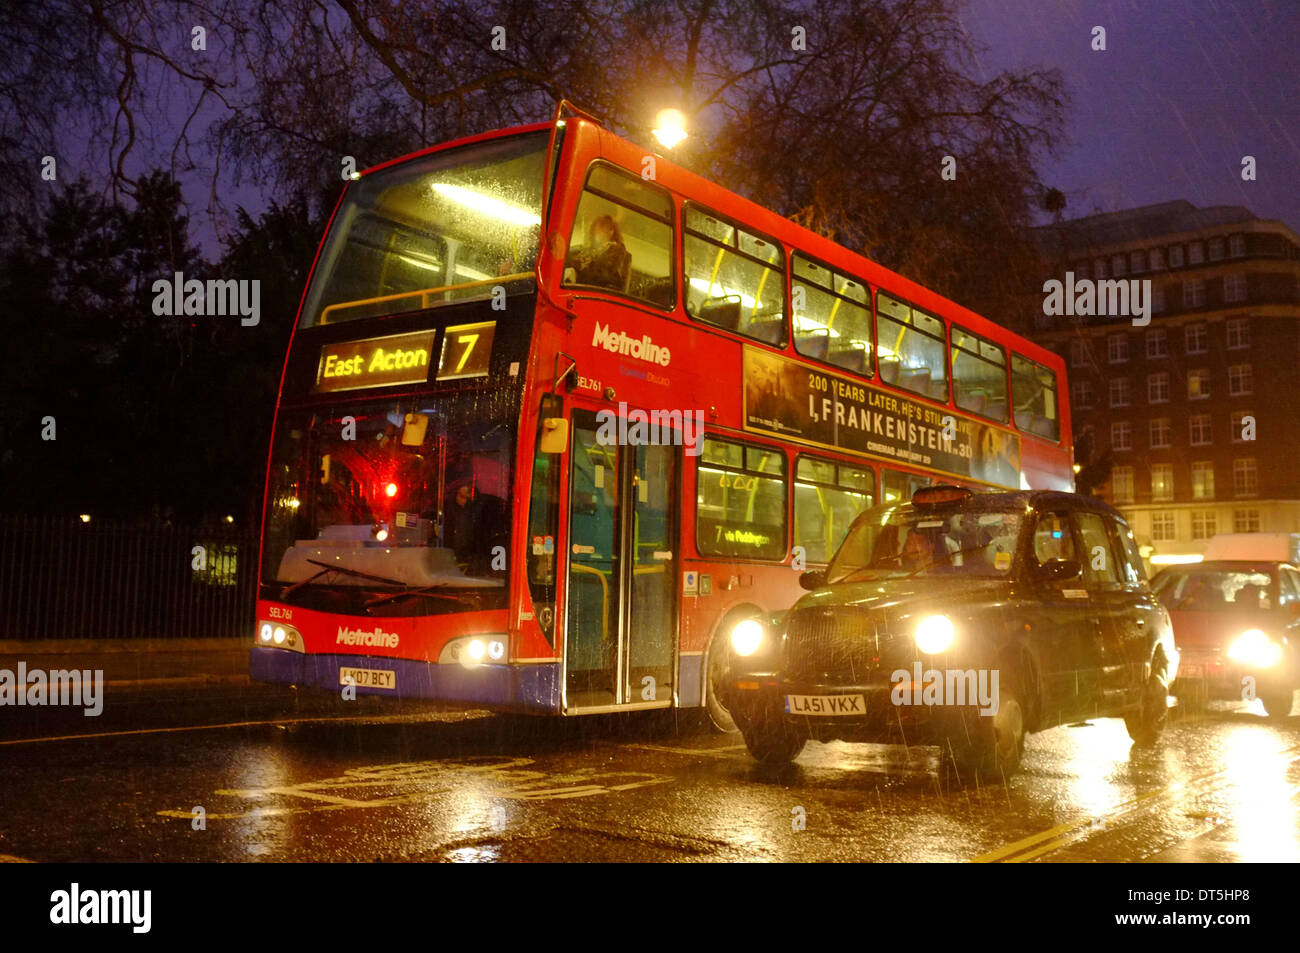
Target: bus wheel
{"type": "Point", "coordinates": [716, 664]}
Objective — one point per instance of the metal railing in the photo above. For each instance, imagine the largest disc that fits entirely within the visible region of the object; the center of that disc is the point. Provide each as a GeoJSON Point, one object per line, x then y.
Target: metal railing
{"type": "Point", "coordinates": [62, 578]}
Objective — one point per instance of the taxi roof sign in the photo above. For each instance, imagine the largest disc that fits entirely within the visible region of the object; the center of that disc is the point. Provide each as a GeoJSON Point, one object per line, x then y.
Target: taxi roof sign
{"type": "Point", "coordinates": [941, 493]}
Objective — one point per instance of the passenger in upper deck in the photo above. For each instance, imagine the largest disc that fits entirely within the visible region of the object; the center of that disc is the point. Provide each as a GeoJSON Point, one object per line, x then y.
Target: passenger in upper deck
{"type": "Point", "coordinates": [603, 261]}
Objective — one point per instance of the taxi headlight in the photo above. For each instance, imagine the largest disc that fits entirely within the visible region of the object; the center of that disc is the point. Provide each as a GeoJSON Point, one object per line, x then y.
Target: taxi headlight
{"type": "Point", "coordinates": [1254, 648]}
{"type": "Point", "coordinates": [746, 636]}
{"type": "Point", "coordinates": [934, 634]}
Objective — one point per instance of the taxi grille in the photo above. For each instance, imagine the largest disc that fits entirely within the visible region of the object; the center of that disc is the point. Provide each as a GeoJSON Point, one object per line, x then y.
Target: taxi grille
{"type": "Point", "coordinates": [832, 645]}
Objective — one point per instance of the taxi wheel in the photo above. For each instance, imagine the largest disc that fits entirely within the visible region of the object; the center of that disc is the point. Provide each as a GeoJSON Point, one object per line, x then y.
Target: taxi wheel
{"type": "Point", "coordinates": [1145, 726]}
{"type": "Point", "coordinates": [1277, 702]}
{"type": "Point", "coordinates": [990, 747]}
{"type": "Point", "coordinates": [771, 741]}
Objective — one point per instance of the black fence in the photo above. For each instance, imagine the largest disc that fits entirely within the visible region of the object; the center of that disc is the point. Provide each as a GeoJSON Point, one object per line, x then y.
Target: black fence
{"type": "Point", "coordinates": [69, 578]}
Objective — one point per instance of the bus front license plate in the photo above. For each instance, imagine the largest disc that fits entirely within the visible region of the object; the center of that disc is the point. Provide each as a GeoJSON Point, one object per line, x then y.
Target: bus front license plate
{"type": "Point", "coordinates": [825, 704]}
{"type": "Point", "coordinates": [368, 678]}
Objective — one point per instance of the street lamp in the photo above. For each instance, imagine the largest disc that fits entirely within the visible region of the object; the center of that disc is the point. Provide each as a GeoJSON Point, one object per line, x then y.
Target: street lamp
{"type": "Point", "coordinates": [670, 127]}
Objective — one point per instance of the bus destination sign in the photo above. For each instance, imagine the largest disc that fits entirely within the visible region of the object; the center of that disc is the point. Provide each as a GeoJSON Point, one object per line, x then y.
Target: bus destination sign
{"type": "Point", "coordinates": [375, 362]}
{"type": "Point", "coordinates": [807, 404]}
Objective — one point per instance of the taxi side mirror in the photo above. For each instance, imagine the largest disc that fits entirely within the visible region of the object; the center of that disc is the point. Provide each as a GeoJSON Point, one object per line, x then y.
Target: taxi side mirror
{"type": "Point", "coordinates": [555, 435]}
{"type": "Point", "coordinates": [1057, 570]}
{"type": "Point", "coordinates": [812, 579]}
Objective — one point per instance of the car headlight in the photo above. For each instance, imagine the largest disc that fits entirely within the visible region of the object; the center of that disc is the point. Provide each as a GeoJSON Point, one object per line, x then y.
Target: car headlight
{"type": "Point", "coordinates": [746, 636]}
{"type": "Point", "coordinates": [934, 634]}
{"type": "Point", "coordinates": [1254, 648]}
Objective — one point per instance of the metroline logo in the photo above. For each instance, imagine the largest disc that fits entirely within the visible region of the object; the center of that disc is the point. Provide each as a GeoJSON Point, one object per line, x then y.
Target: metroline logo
{"type": "Point", "coordinates": [376, 636]}
{"type": "Point", "coordinates": [620, 343]}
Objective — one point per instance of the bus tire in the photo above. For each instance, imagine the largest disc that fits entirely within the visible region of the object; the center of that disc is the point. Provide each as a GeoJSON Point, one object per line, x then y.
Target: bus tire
{"type": "Point", "coordinates": [717, 660]}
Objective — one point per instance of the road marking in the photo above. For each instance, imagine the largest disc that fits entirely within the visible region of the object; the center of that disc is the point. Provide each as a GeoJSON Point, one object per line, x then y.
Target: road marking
{"type": "Point", "coordinates": [1062, 835]}
{"type": "Point", "coordinates": [11, 859]}
{"type": "Point", "coordinates": [312, 720]}
{"type": "Point", "coordinates": [394, 785]}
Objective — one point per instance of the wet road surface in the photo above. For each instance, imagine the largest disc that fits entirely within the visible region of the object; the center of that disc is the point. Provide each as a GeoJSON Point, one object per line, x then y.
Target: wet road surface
{"type": "Point", "coordinates": [266, 774]}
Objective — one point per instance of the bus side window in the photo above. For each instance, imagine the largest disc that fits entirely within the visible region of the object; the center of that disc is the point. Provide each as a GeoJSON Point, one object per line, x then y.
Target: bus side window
{"type": "Point", "coordinates": [827, 498]}
{"type": "Point", "coordinates": [622, 238]}
{"type": "Point", "coordinates": [979, 375]}
{"type": "Point", "coordinates": [832, 316]}
{"type": "Point", "coordinates": [1033, 390]}
{"type": "Point", "coordinates": [734, 279]}
{"type": "Point", "coordinates": [740, 508]}
{"type": "Point", "coordinates": [912, 351]}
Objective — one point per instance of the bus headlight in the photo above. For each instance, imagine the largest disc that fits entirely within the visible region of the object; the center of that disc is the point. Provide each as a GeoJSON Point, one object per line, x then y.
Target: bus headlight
{"type": "Point", "coordinates": [473, 650]}
{"type": "Point", "coordinates": [1255, 649]}
{"type": "Point", "coordinates": [277, 635]}
{"type": "Point", "coordinates": [746, 636]}
{"type": "Point", "coordinates": [934, 634]}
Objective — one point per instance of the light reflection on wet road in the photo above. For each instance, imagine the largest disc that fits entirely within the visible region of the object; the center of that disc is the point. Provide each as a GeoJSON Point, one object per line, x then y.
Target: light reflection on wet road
{"type": "Point", "coordinates": [278, 778]}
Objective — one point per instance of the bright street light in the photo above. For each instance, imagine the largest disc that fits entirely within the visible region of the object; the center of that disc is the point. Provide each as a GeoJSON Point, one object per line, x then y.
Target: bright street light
{"type": "Point", "coordinates": [670, 127]}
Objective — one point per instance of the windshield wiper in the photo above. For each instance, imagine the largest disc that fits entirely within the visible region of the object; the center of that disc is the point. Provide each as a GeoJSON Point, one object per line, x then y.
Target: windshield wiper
{"type": "Point", "coordinates": [326, 567]}
{"type": "Point", "coordinates": [407, 593]}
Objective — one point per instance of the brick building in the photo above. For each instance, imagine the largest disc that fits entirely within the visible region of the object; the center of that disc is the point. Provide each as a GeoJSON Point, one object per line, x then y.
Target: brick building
{"type": "Point", "coordinates": [1172, 402]}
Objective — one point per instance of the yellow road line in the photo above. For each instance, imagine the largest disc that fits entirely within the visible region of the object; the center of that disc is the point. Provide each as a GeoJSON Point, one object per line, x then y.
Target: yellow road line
{"type": "Point", "coordinates": [1054, 838]}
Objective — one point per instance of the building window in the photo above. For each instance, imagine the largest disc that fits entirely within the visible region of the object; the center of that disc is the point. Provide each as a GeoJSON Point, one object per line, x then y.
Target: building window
{"type": "Point", "coordinates": [1099, 267]}
{"type": "Point", "coordinates": [1162, 481]}
{"type": "Point", "coordinates": [1117, 266]}
{"type": "Point", "coordinates": [1158, 388]}
{"type": "Point", "coordinates": [1078, 352]}
{"type": "Point", "coordinates": [1175, 256]}
{"type": "Point", "coordinates": [1216, 249]}
{"type": "Point", "coordinates": [1121, 484]}
{"type": "Point", "coordinates": [1157, 259]}
{"type": "Point", "coordinates": [1196, 339]}
{"type": "Point", "coordinates": [1237, 246]}
{"type": "Point", "coordinates": [1238, 333]}
{"type": "Point", "coordinates": [1121, 392]}
{"type": "Point", "coordinates": [1137, 261]}
{"type": "Point", "coordinates": [1241, 380]}
{"type": "Point", "coordinates": [1081, 394]}
{"type": "Point", "coordinates": [1198, 384]}
{"type": "Point", "coordinates": [1245, 479]}
{"type": "Point", "coordinates": [1199, 430]}
{"type": "Point", "coordinates": [1157, 298]}
{"type": "Point", "coordinates": [1204, 524]}
{"type": "Point", "coordinates": [1238, 424]}
{"type": "Point", "coordinates": [1162, 528]}
{"type": "Point", "coordinates": [1195, 253]}
{"type": "Point", "coordinates": [1157, 343]}
{"type": "Point", "coordinates": [1117, 348]}
{"type": "Point", "coordinates": [1245, 521]}
{"type": "Point", "coordinates": [1234, 288]}
{"type": "Point", "coordinates": [1194, 293]}
{"type": "Point", "coordinates": [1121, 435]}
{"type": "Point", "coordinates": [1203, 481]}
{"type": "Point", "coordinates": [1159, 431]}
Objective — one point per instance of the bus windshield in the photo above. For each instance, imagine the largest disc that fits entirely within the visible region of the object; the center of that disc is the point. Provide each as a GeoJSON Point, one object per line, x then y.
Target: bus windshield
{"type": "Point", "coordinates": [904, 540]}
{"type": "Point", "coordinates": [401, 493]}
{"type": "Point", "coordinates": [445, 227]}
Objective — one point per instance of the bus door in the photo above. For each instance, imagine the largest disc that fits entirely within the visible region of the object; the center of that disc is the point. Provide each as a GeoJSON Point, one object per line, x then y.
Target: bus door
{"type": "Point", "coordinates": [621, 617]}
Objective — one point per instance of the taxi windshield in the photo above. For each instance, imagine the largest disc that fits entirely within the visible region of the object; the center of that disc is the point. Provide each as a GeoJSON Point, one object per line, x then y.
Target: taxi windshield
{"type": "Point", "coordinates": [902, 540]}
{"type": "Point", "coordinates": [1221, 590]}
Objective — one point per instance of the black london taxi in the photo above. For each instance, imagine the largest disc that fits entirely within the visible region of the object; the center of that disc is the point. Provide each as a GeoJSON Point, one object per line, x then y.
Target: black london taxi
{"type": "Point", "coordinates": [1237, 621]}
{"type": "Point", "coordinates": [964, 619]}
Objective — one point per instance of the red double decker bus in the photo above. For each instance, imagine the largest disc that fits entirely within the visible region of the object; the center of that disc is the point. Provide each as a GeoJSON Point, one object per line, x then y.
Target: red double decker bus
{"type": "Point", "coordinates": [557, 412]}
